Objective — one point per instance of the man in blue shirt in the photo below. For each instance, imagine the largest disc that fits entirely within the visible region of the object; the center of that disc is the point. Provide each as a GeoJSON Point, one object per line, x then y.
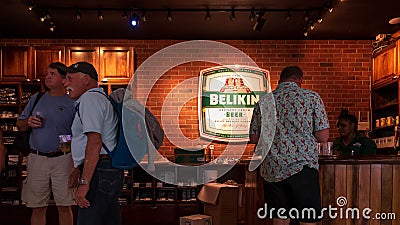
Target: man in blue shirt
{"type": "Point", "coordinates": [47, 166]}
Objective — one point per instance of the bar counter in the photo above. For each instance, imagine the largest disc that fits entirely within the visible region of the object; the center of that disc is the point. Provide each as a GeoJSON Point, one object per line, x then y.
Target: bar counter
{"type": "Point", "coordinates": [350, 181]}
{"type": "Point", "coordinates": [361, 182]}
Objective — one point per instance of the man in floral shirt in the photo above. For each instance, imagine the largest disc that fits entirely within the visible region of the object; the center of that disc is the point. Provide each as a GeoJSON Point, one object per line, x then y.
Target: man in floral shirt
{"type": "Point", "coordinates": [290, 168]}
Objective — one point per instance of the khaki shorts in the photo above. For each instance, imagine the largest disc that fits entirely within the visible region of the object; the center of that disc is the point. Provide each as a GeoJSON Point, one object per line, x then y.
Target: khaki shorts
{"type": "Point", "coordinates": [46, 175]}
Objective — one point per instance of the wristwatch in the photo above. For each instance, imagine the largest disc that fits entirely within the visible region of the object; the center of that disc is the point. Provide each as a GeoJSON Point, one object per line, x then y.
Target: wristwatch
{"type": "Point", "coordinates": [83, 182]}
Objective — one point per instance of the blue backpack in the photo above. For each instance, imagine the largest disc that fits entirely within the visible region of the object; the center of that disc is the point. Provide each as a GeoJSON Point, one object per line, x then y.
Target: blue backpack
{"type": "Point", "coordinates": [139, 131]}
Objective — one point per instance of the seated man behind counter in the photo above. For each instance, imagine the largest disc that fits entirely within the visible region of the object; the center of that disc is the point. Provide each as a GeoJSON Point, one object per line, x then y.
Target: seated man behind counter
{"type": "Point", "coordinates": [351, 141]}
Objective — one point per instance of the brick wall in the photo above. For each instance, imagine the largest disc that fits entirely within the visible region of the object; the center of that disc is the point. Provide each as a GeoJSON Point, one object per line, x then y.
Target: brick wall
{"type": "Point", "coordinates": [339, 70]}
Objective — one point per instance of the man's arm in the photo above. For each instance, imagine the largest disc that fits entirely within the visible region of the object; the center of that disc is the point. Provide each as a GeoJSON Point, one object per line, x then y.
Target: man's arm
{"type": "Point", "coordinates": [322, 135]}
{"type": "Point", "coordinates": [92, 152]}
{"type": "Point", "coordinates": [22, 125]}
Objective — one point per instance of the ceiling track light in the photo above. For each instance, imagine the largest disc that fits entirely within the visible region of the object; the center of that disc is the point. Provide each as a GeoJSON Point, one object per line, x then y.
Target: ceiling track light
{"type": "Point", "coordinates": [312, 16]}
{"type": "Point", "coordinates": [252, 15]}
{"type": "Point", "coordinates": [78, 14]}
{"type": "Point", "coordinates": [208, 15]}
{"type": "Point", "coordinates": [169, 15]}
{"type": "Point", "coordinates": [124, 14]}
{"type": "Point", "coordinates": [288, 16]}
{"type": "Point", "coordinates": [143, 16]}
{"type": "Point", "coordinates": [233, 15]}
{"type": "Point", "coordinates": [312, 26]}
{"type": "Point", "coordinates": [100, 15]}
{"type": "Point", "coordinates": [305, 32]}
{"type": "Point", "coordinates": [52, 26]}
{"type": "Point", "coordinates": [31, 5]}
{"type": "Point", "coordinates": [319, 18]}
{"type": "Point", "coordinates": [329, 6]}
{"type": "Point", "coordinates": [258, 26]}
{"type": "Point", "coordinates": [45, 16]}
{"type": "Point", "coordinates": [134, 21]}
{"type": "Point", "coordinates": [306, 16]}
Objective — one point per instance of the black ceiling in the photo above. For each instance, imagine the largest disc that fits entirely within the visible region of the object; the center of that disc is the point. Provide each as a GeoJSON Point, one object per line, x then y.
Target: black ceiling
{"type": "Point", "coordinates": [350, 19]}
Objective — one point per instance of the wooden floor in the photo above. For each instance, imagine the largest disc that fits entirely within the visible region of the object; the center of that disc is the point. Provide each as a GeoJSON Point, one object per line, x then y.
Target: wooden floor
{"type": "Point", "coordinates": [164, 214]}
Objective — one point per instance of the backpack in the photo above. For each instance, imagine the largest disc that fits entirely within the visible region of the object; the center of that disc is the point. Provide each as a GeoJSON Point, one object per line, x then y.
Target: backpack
{"type": "Point", "coordinates": [126, 155]}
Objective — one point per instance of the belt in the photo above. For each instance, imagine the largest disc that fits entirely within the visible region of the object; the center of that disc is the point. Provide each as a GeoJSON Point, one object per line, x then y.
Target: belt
{"type": "Point", "coordinates": [103, 156]}
{"type": "Point", "coordinates": [48, 154]}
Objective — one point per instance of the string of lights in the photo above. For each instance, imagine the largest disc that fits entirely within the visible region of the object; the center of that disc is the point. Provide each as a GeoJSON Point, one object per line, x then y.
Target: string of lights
{"type": "Point", "coordinates": [135, 16]}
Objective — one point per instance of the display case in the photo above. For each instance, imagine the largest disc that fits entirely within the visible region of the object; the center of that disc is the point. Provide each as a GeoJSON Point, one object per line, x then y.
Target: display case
{"type": "Point", "coordinates": [13, 98]}
{"type": "Point", "coordinates": [385, 110]}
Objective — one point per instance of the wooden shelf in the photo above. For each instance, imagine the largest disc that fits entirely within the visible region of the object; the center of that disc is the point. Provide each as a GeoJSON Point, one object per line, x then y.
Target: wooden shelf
{"type": "Point", "coordinates": [385, 128]}
{"type": "Point", "coordinates": [386, 106]}
{"type": "Point", "coordinates": [8, 105]}
{"type": "Point", "coordinates": [384, 82]}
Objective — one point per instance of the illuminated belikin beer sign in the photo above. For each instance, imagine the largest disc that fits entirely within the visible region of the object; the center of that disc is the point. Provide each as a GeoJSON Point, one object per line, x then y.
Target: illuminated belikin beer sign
{"type": "Point", "coordinates": [227, 95]}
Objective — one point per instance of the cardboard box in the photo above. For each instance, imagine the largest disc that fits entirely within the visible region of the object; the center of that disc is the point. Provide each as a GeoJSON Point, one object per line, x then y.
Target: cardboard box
{"type": "Point", "coordinates": [196, 219]}
{"type": "Point", "coordinates": [220, 202]}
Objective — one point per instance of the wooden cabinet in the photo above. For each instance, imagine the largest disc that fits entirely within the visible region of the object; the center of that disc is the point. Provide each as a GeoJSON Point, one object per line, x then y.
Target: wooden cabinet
{"type": "Point", "coordinates": [116, 64]}
{"type": "Point", "coordinates": [43, 56]}
{"type": "Point", "coordinates": [87, 54]}
{"type": "Point", "coordinates": [14, 63]}
{"type": "Point", "coordinates": [385, 63]}
{"type": "Point", "coordinates": [22, 63]}
{"type": "Point", "coordinates": [397, 56]}
{"type": "Point", "coordinates": [79, 54]}
{"type": "Point", "coordinates": [113, 64]}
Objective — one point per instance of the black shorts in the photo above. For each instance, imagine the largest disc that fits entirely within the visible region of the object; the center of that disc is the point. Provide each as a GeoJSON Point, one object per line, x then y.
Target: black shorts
{"type": "Point", "coordinates": [299, 196]}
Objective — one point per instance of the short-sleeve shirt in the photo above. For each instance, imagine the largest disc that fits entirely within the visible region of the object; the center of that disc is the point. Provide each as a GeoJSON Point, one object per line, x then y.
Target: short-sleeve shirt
{"type": "Point", "coordinates": [299, 114]}
{"type": "Point", "coordinates": [359, 145]}
{"type": "Point", "coordinates": [58, 113]}
{"type": "Point", "coordinates": [96, 114]}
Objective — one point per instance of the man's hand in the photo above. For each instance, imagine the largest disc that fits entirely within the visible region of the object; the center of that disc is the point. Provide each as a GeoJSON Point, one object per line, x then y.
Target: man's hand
{"type": "Point", "coordinates": [73, 179]}
{"type": "Point", "coordinates": [34, 122]}
{"type": "Point", "coordinates": [80, 196]}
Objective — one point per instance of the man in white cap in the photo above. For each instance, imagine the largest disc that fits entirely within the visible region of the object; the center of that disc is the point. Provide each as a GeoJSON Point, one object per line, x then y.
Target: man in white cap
{"type": "Point", "coordinates": [95, 124]}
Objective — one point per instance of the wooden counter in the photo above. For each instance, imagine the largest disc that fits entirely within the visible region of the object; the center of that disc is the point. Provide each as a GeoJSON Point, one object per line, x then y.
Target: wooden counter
{"type": "Point", "coordinates": [365, 182]}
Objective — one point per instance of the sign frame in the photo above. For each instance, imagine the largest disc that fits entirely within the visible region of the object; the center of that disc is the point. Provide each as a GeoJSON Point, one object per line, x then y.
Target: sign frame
{"type": "Point", "coordinates": [226, 117]}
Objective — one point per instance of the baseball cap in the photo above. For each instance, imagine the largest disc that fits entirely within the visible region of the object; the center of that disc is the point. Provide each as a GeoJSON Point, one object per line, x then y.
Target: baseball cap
{"type": "Point", "coordinates": [61, 68]}
{"type": "Point", "coordinates": [84, 67]}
